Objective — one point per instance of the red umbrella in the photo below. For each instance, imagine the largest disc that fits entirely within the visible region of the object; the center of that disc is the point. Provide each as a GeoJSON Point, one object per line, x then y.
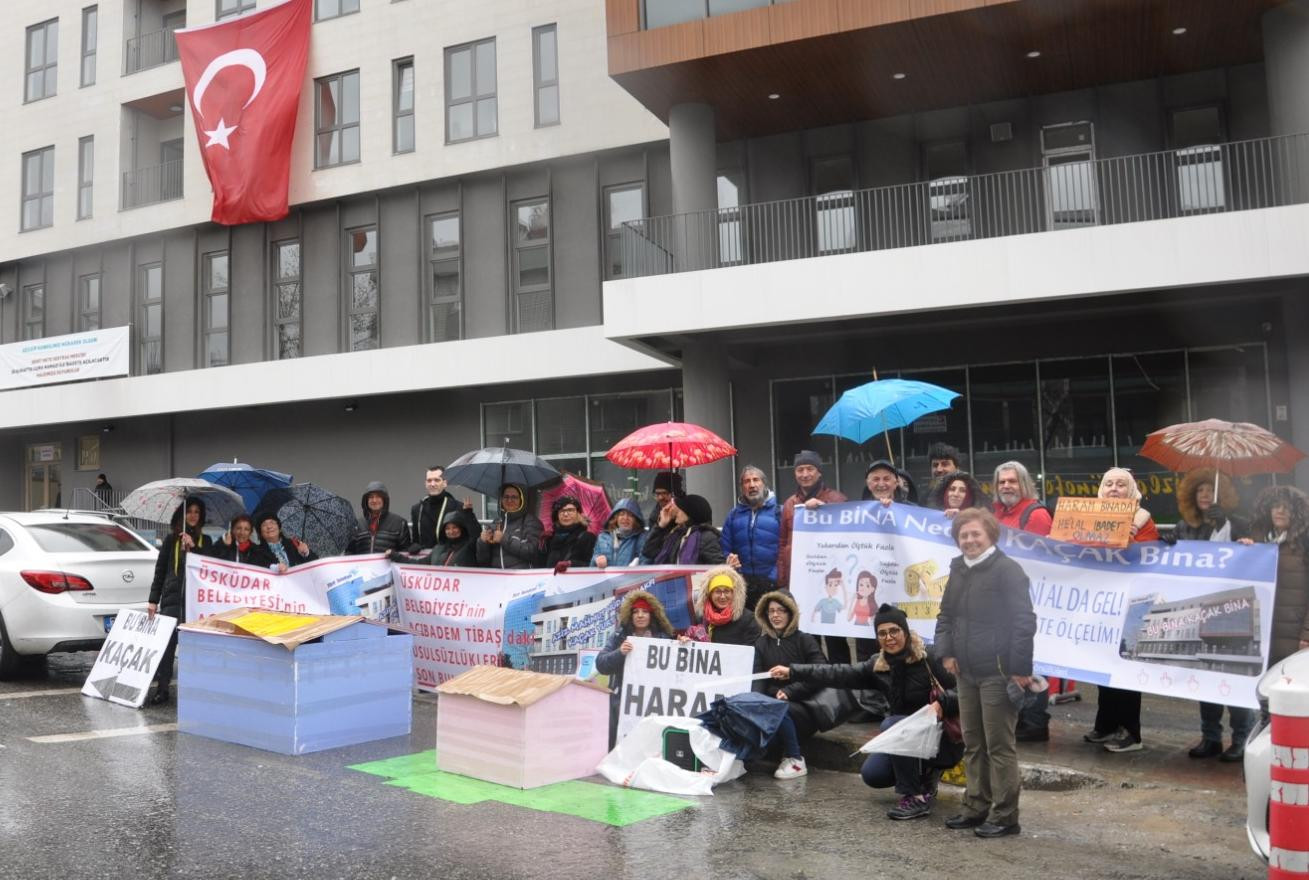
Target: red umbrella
{"type": "Point", "coordinates": [668, 446]}
{"type": "Point", "coordinates": [1238, 449]}
{"type": "Point", "coordinates": [589, 494]}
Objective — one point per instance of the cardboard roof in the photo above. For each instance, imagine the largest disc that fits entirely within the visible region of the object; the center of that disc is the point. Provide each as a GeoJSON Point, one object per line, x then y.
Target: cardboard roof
{"type": "Point", "coordinates": [275, 627]}
{"type": "Point", "coordinates": [507, 687]}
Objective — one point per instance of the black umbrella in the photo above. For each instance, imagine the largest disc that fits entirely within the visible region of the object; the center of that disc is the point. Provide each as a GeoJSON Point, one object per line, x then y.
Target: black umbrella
{"type": "Point", "coordinates": [323, 520]}
{"type": "Point", "coordinates": [486, 470]}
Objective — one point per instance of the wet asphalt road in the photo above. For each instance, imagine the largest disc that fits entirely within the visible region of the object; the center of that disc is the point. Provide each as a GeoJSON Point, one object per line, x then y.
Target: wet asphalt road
{"type": "Point", "coordinates": [161, 804]}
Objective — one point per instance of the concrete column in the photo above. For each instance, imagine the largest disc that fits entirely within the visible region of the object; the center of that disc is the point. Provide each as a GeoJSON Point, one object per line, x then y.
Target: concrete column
{"type": "Point", "coordinates": [1286, 68]}
{"type": "Point", "coordinates": [693, 155]}
{"type": "Point", "coordinates": [706, 399]}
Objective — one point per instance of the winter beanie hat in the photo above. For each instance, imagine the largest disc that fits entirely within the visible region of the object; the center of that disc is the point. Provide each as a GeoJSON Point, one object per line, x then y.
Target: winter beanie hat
{"type": "Point", "coordinates": [696, 508]}
{"type": "Point", "coordinates": [890, 614]}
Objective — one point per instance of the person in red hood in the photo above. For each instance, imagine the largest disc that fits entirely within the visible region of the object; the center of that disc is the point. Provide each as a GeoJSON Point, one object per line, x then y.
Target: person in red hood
{"type": "Point", "coordinates": [1016, 505]}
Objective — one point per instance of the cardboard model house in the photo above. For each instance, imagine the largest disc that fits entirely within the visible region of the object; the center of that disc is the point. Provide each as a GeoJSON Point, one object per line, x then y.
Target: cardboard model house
{"type": "Point", "coordinates": [293, 683]}
{"type": "Point", "coordinates": [522, 729]}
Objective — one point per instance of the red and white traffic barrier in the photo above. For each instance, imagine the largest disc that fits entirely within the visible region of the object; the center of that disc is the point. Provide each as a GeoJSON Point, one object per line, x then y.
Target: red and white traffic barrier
{"type": "Point", "coordinates": [1288, 808]}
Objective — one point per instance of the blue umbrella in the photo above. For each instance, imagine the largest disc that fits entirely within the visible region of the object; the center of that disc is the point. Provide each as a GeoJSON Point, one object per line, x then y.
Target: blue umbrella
{"type": "Point", "coordinates": [881, 406]}
{"type": "Point", "coordinates": [250, 482]}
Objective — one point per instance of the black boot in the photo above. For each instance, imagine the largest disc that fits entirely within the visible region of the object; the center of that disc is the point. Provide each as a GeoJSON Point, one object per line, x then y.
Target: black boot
{"type": "Point", "coordinates": [161, 695]}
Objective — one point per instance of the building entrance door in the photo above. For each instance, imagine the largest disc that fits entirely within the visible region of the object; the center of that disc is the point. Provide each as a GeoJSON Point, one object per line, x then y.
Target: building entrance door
{"type": "Point", "coordinates": [42, 486]}
{"type": "Point", "coordinates": [1072, 196]}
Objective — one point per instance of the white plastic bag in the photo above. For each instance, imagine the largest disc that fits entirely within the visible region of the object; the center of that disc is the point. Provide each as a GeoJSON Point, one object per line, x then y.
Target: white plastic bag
{"type": "Point", "coordinates": [917, 736]}
{"type": "Point", "coordinates": [638, 759]}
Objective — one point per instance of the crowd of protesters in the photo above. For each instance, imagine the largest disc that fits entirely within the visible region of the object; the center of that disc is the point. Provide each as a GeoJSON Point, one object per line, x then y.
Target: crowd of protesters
{"type": "Point", "coordinates": [978, 673]}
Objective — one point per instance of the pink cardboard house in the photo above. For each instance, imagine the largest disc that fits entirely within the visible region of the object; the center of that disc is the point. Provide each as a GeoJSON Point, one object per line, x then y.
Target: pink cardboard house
{"type": "Point", "coordinates": [523, 729]}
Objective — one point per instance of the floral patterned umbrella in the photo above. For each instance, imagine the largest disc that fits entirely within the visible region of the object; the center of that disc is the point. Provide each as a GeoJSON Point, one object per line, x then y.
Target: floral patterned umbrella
{"type": "Point", "coordinates": [158, 501]}
{"type": "Point", "coordinates": [668, 446]}
{"type": "Point", "coordinates": [1238, 449]}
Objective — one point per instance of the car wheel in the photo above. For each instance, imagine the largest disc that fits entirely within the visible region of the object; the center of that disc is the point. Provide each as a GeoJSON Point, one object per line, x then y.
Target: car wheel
{"type": "Point", "coordinates": [10, 660]}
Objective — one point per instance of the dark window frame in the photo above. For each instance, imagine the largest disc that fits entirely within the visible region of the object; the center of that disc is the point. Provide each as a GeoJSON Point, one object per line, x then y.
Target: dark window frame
{"type": "Point", "coordinates": [46, 65]}
{"type": "Point", "coordinates": [31, 292]}
{"type": "Point", "coordinates": [438, 260]}
{"type": "Point", "coordinates": [341, 9]}
{"type": "Point", "coordinates": [238, 7]}
{"type": "Point", "coordinates": [613, 236]}
{"type": "Point", "coordinates": [353, 271]}
{"type": "Point", "coordinates": [144, 303]}
{"type": "Point", "coordinates": [91, 36]}
{"type": "Point", "coordinates": [85, 177]}
{"type": "Point", "coordinates": [540, 82]}
{"type": "Point", "coordinates": [44, 198]}
{"type": "Point", "coordinates": [209, 292]}
{"type": "Point", "coordinates": [89, 318]}
{"type": "Point", "coordinates": [338, 128]}
{"type": "Point", "coordinates": [280, 281]}
{"type": "Point", "coordinates": [520, 246]}
{"type": "Point", "coordinates": [475, 96]}
{"type": "Point", "coordinates": [398, 67]}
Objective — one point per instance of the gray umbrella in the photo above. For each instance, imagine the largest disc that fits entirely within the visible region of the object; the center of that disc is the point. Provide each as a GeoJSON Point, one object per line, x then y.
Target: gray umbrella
{"type": "Point", "coordinates": [486, 470]}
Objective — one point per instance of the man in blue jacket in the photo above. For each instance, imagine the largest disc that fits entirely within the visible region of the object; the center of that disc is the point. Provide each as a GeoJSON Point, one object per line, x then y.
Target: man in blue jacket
{"type": "Point", "coordinates": [750, 535]}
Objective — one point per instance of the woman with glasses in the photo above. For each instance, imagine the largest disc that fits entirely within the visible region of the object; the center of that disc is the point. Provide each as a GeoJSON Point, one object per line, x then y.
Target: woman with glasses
{"type": "Point", "coordinates": [514, 541]}
{"type": "Point", "coordinates": [571, 541]}
{"type": "Point", "coordinates": [906, 672]}
{"type": "Point", "coordinates": [984, 636]}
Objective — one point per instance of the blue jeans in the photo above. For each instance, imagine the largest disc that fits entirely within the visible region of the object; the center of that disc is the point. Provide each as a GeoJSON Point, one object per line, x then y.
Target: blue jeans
{"type": "Point", "coordinates": [786, 737]}
{"type": "Point", "coordinates": [1211, 722]}
{"type": "Point", "coordinates": [884, 771]}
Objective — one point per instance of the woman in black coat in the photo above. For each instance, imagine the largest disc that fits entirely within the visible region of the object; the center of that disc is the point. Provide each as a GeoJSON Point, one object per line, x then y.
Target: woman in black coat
{"type": "Point", "coordinates": [236, 545]}
{"type": "Point", "coordinates": [457, 547]}
{"type": "Point", "coordinates": [279, 551]}
{"type": "Point", "coordinates": [168, 589]}
{"type": "Point", "coordinates": [571, 541]}
{"type": "Point", "coordinates": [684, 535]}
{"type": "Point", "coordinates": [905, 672]}
{"type": "Point", "coordinates": [810, 705]}
{"type": "Point", "coordinates": [640, 615]}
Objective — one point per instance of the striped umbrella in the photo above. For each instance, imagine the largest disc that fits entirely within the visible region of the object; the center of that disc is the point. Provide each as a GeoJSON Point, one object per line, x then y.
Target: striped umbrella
{"type": "Point", "coordinates": [1238, 449]}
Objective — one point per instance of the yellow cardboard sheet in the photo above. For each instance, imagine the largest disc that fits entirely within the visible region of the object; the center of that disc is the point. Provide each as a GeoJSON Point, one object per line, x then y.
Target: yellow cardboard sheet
{"type": "Point", "coordinates": [264, 623]}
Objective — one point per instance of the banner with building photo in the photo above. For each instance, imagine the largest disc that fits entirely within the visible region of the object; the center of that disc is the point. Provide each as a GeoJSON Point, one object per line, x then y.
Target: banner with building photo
{"type": "Point", "coordinates": [95, 354]}
{"type": "Point", "coordinates": [1191, 620]}
{"type": "Point", "coordinates": [528, 619]}
{"type": "Point", "coordinates": [337, 585]}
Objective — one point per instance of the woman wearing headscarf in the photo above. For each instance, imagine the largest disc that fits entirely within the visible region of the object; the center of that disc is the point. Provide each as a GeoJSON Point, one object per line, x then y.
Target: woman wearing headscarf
{"type": "Point", "coordinates": [782, 644]}
{"type": "Point", "coordinates": [1281, 517]}
{"type": "Point", "coordinates": [641, 615]}
{"type": "Point", "coordinates": [906, 673]}
{"type": "Point", "coordinates": [720, 607]}
{"type": "Point", "coordinates": [685, 535]}
{"type": "Point", "coordinates": [168, 589]}
{"type": "Point", "coordinates": [571, 541]}
{"type": "Point", "coordinates": [1119, 709]}
{"type": "Point", "coordinates": [1207, 503]}
{"type": "Point", "coordinates": [278, 551]}
{"type": "Point", "coordinates": [623, 538]}
{"type": "Point", "coordinates": [955, 492]}
{"type": "Point", "coordinates": [984, 636]}
{"type": "Point", "coordinates": [515, 540]}
{"type": "Point", "coordinates": [457, 547]}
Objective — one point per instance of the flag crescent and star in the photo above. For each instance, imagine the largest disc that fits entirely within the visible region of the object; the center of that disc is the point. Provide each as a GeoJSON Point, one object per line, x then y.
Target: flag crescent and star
{"type": "Point", "coordinates": [243, 82]}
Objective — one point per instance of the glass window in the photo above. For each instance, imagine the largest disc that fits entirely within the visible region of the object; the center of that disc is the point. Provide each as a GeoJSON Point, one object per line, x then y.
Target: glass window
{"type": "Point", "coordinates": [34, 311]}
{"type": "Point", "coordinates": [1149, 393]}
{"type": "Point", "coordinates": [731, 188]}
{"type": "Point", "coordinates": [42, 60]}
{"type": "Point", "coordinates": [403, 110]}
{"type": "Point", "coordinates": [363, 292]}
{"type": "Point", "coordinates": [661, 13]}
{"type": "Point", "coordinates": [85, 176]}
{"type": "Point", "coordinates": [1229, 384]}
{"type": "Point", "coordinates": [798, 405]}
{"type": "Point", "coordinates": [545, 66]}
{"type": "Point", "coordinates": [623, 204]}
{"type": "Point", "coordinates": [88, 297]}
{"type": "Point", "coordinates": [229, 8]}
{"type": "Point", "coordinates": [214, 308]}
{"type": "Point", "coordinates": [1076, 425]}
{"type": "Point", "coordinates": [944, 426]}
{"type": "Point", "coordinates": [287, 298]}
{"type": "Point", "coordinates": [561, 426]}
{"type": "Point", "coordinates": [445, 278]}
{"type": "Point", "coordinates": [38, 189]}
{"type": "Point", "coordinates": [1004, 417]}
{"type": "Point", "coordinates": [337, 119]}
{"type": "Point", "coordinates": [470, 91]}
{"type": "Point", "coordinates": [325, 9]}
{"type": "Point", "coordinates": [150, 324]}
{"type": "Point", "coordinates": [834, 188]}
{"type": "Point", "coordinates": [533, 296]}
{"type": "Point", "coordinates": [90, 37]}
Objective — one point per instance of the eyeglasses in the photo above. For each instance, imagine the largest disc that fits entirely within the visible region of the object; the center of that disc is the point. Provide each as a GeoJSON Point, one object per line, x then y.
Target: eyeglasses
{"type": "Point", "coordinates": [569, 510]}
{"type": "Point", "coordinates": [890, 633]}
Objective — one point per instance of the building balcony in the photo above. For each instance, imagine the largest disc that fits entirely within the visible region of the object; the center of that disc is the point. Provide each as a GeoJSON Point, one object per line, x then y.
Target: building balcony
{"type": "Point", "coordinates": [1198, 180]}
{"type": "Point", "coordinates": [151, 185]}
{"type": "Point", "coordinates": [149, 50]}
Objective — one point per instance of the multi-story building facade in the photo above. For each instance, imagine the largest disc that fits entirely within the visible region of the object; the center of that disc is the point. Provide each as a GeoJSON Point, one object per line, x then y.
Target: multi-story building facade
{"type": "Point", "coordinates": [551, 222]}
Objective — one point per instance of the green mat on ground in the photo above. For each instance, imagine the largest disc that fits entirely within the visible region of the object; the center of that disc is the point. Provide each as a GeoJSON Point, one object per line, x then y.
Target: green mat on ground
{"type": "Point", "coordinates": [586, 800]}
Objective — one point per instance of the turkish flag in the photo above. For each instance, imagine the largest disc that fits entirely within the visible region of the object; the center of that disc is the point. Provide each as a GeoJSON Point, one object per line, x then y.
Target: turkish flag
{"type": "Point", "coordinates": [243, 81]}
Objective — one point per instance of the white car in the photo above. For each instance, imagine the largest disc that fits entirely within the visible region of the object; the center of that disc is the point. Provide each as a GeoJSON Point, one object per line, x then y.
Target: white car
{"type": "Point", "coordinates": [1259, 753]}
{"type": "Point", "coordinates": [63, 577]}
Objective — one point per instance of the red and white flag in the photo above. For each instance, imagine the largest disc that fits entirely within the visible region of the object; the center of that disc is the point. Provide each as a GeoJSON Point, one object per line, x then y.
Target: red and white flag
{"type": "Point", "coordinates": [243, 80]}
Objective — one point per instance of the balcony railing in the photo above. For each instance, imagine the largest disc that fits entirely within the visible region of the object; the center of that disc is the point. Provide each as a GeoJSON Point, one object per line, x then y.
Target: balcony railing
{"type": "Point", "coordinates": [149, 50]}
{"type": "Point", "coordinates": [147, 186]}
{"type": "Point", "coordinates": [1210, 179]}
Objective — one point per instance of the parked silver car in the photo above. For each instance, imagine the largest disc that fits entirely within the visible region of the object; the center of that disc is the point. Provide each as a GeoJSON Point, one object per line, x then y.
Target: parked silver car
{"type": "Point", "coordinates": [1259, 752]}
{"type": "Point", "coordinates": [64, 575]}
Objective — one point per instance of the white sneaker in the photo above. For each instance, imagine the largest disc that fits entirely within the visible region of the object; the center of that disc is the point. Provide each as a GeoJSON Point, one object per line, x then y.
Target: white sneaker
{"type": "Point", "coordinates": [791, 768]}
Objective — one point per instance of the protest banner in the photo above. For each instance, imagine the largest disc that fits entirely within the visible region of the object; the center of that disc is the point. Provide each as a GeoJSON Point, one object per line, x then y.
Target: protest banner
{"type": "Point", "coordinates": [93, 354]}
{"type": "Point", "coordinates": [465, 617]}
{"type": "Point", "coordinates": [660, 677]}
{"type": "Point", "coordinates": [338, 585]}
{"type": "Point", "coordinates": [1094, 522]}
{"type": "Point", "coordinates": [129, 657]}
{"type": "Point", "coordinates": [1191, 620]}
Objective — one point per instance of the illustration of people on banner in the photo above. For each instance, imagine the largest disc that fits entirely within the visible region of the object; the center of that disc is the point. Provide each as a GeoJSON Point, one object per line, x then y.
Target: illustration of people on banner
{"type": "Point", "coordinates": [1188, 620]}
